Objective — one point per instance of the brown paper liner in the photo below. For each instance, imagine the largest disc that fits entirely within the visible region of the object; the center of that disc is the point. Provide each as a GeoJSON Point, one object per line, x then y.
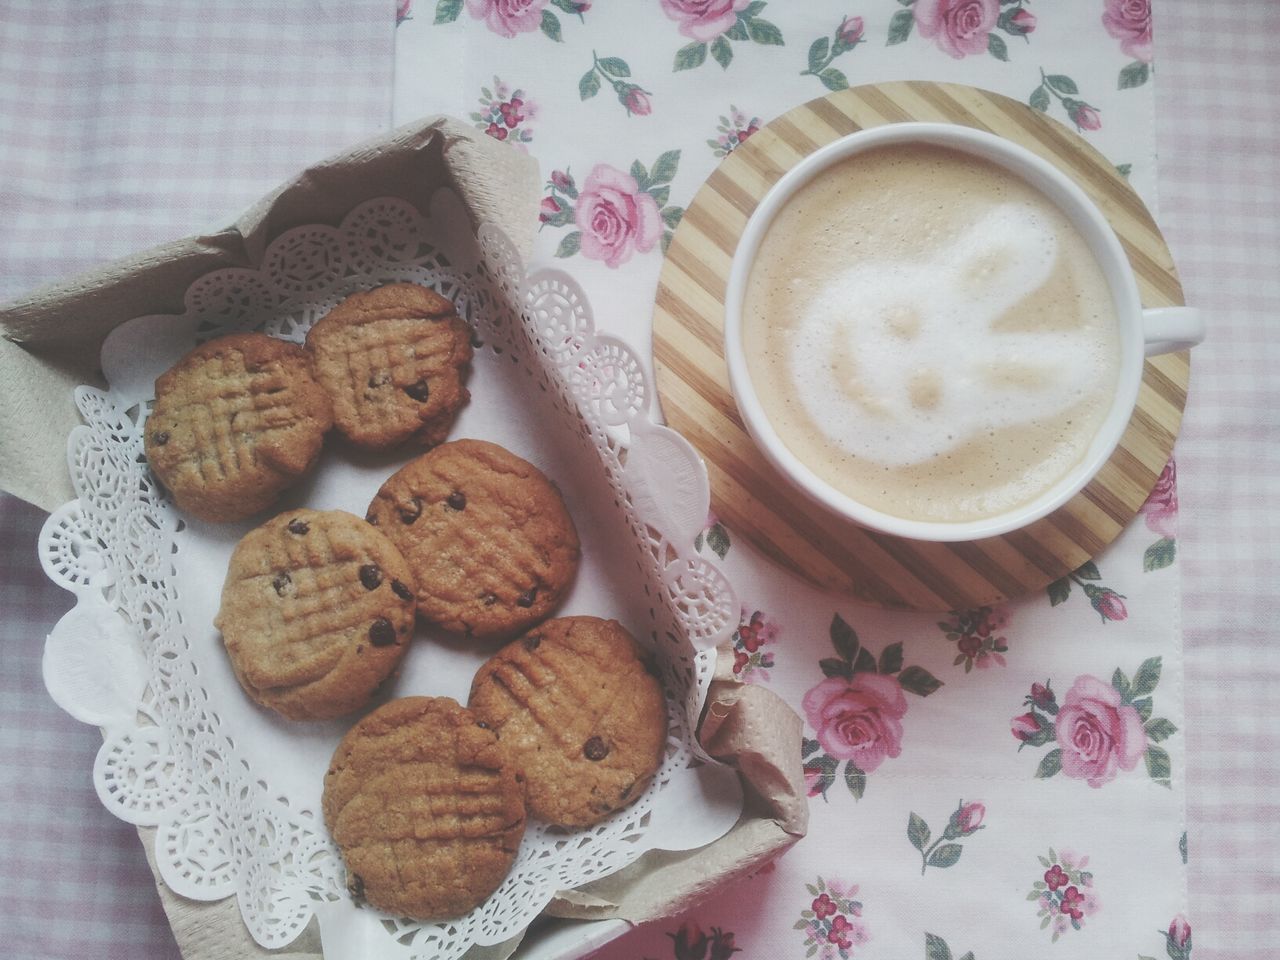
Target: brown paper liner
{"type": "Point", "coordinates": [51, 343]}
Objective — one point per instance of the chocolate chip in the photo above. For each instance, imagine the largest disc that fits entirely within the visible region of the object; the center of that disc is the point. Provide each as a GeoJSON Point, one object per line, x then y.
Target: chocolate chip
{"type": "Point", "coordinates": [595, 749]}
{"type": "Point", "coordinates": [526, 599]}
{"type": "Point", "coordinates": [401, 591]}
{"type": "Point", "coordinates": [160, 438]}
{"type": "Point", "coordinates": [299, 527]}
{"type": "Point", "coordinates": [533, 641]}
{"type": "Point", "coordinates": [482, 725]}
{"type": "Point", "coordinates": [371, 520]}
{"type": "Point", "coordinates": [490, 599]}
{"type": "Point", "coordinates": [359, 648]}
{"type": "Point", "coordinates": [355, 884]}
{"type": "Point", "coordinates": [382, 633]}
{"type": "Point", "coordinates": [282, 582]}
{"type": "Point", "coordinates": [370, 576]}
{"type": "Point", "coordinates": [378, 378]}
{"type": "Point", "coordinates": [419, 391]}
{"type": "Point", "coordinates": [411, 512]}
{"type": "Point", "coordinates": [457, 500]}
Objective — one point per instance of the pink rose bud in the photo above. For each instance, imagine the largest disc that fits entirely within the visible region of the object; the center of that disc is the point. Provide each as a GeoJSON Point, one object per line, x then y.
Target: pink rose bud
{"type": "Point", "coordinates": [402, 10]}
{"type": "Point", "coordinates": [813, 780]}
{"type": "Point", "coordinates": [1180, 932]}
{"type": "Point", "coordinates": [1087, 118]}
{"type": "Point", "coordinates": [561, 179]}
{"type": "Point", "coordinates": [1025, 727]}
{"type": "Point", "coordinates": [1024, 21]}
{"type": "Point", "coordinates": [549, 209]}
{"type": "Point", "coordinates": [969, 818]}
{"type": "Point", "coordinates": [637, 102]}
{"type": "Point", "coordinates": [851, 30]}
{"type": "Point", "coordinates": [581, 6]}
{"type": "Point", "coordinates": [1042, 696]}
{"type": "Point", "coordinates": [1107, 602]}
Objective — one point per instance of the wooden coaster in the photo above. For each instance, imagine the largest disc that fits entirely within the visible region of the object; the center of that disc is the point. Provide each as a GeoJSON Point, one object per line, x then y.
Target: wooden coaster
{"type": "Point", "coordinates": [755, 502]}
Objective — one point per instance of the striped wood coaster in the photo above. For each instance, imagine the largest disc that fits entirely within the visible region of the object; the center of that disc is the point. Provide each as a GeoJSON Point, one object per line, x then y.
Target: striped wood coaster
{"type": "Point", "coordinates": [756, 503]}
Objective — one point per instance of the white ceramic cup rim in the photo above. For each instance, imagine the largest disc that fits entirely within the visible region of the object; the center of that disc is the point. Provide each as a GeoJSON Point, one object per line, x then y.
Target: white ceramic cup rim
{"type": "Point", "coordinates": [1059, 190]}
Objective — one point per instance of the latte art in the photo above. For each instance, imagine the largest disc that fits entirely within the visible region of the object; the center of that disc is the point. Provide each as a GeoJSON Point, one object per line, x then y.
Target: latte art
{"type": "Point", "coordinates": [929, 334]}
{"type": "Point", "coordinates": [904, 360]}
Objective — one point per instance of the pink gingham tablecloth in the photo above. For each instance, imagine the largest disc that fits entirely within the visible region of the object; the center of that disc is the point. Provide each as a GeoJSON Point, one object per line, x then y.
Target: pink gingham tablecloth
{"type": "Point", "coordinates": [123, 124]}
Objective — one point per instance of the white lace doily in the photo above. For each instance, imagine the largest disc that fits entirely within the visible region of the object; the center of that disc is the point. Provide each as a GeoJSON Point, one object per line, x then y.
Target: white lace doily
{"type": "Point", "coordinates": [185, 752]}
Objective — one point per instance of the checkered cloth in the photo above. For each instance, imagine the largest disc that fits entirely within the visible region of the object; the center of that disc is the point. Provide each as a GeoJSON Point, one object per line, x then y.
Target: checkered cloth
{"type": "Point", "coordinates": [126, 123]}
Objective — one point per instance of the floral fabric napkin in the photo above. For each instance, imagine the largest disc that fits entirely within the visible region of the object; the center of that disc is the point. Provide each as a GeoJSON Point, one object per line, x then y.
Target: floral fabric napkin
{"type": "Point", "coordinates": [985, 783]}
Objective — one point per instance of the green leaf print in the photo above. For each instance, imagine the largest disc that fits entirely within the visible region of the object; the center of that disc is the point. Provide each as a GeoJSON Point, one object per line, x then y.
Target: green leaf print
{"type": "Point", "coordinates": [690, 56]}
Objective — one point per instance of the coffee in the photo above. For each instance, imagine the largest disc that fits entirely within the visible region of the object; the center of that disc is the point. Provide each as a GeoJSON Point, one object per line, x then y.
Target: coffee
{"type": "Point", "coordinates": [929, 334]}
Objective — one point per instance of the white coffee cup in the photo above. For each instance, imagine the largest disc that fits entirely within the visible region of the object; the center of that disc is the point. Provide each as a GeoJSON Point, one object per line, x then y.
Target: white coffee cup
{"type": "Point", "coordinates": [1142, 332]}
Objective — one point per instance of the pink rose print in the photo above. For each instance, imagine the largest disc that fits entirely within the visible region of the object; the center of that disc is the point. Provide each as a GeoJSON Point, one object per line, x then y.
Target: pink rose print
{"type": "Point", "coordinates": [403, 7]}
{"type": "Point", "coordinates": [711, 24]}
{"type": "Point", "coordinates": [823, 52]}
{"type": "Point", "coordinates": [734, 130]}
{"type": "Point", "coordinates": [505, 114]}
{"type": "Point", "coordinates": [1025, 727]}
{"type": "Point", "coordinates": [1099, 728]}
{"type": "Point", "coordinates": [857, 711]}
{"type": "Point", "coordinates": [978, 636]}
{"type": "Point", "coordinates": [703, 20]}
{"type": "Point", "coordinates": [965, 821]}
{"type": "Point", "coordinates": [858, 719]}
{"type": "Point", "coordinates": [637, 102]}
{"type": "Point", "coordinates": [1054, 877]}
{"type": "Point", "coordinates": [1129, 21]}
{"type": "Point", "coordinates": [1098, 732]}
{"type": "Point", "coordinates": [832, 924]}
{"type": "Point", "coordinates": [750, 660]}
{"type": "Point", "coordinates": [614, 71]}
{"type": "Point", "coordinates": [1109, 604]}
{"type": "Point", "coordinates": [1087, 118]}
{"type": "Point", "coordinates": [549, 209]}
{"type": "Point", "coordinates": [825, 907]}
{"type": "Point", "coordinates": [617, 214]}
{"type": "Point", "coordinates": [968, 819]}
{"type": "Point", "coordinates": [1177, 939]}
{"type": "Point", "coordinates": [1160, 513]}
{"type": "Point", "coordinates": [1065, 896]}
{"type": "Point", "coordinates": [508, 17]}
{"type": "Point", "coordinates": [959, 27]}
{"type": "Point", "coordinates": [1023, 21]}
{"type": "Point", "coordinates": [616, 218]}
{"type": "Point", "coordinates": [1057, 86]}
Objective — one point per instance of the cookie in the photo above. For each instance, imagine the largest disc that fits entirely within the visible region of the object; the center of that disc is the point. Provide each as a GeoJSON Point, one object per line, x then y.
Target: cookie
{"type": "Point", "coordinates": [488, 537]}
{"type": "Point", "coordinates": [317, 611]}
{"type": "Point", "coordinates": [584, 720]}
{"type": "Point", "coordinates": [235, 422]}
{"type": "Point", "coordinates": [425, 807]}
{"type": "Point", "coordinates": [392, 360]}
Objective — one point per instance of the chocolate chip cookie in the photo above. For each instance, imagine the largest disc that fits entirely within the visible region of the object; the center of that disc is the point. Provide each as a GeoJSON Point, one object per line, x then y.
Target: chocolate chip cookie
{"type": "Point", "coordinates": [490, 542]}
{"type": "Point", "coordinates": [235, 422]}
{"type": "Point", "coordinates": [317, 610]}
{"type": "Point", "coordinates": [393, 360]}
{"type": "Point", "coordinates": [582, 716]}
{"type": "Point", "coordinates": [426, 808]}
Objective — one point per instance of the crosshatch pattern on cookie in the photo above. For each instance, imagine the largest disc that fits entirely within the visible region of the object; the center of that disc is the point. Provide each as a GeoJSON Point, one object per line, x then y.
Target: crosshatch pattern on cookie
{"type": "Point", "coordinates": [426, 809]}
{"type": "Point", "coordinates": [488, 537]}
{"type": "Point", "coordinates": [235, 422]}
{"type": "Point", "coordinates": [580, 713]}
{"type": "Point", "coordinates": [317, 611]}
{"type": "Point", "coordinates": [392, 359]}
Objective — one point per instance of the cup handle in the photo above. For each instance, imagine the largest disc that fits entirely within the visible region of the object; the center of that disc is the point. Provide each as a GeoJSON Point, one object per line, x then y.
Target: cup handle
{"type": "Point", "coordinates": [1170, 329]}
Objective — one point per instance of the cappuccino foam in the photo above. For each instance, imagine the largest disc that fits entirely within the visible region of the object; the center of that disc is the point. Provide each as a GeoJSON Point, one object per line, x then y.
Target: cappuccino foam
{"type": "Point", "coordinates": [930, 335]}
